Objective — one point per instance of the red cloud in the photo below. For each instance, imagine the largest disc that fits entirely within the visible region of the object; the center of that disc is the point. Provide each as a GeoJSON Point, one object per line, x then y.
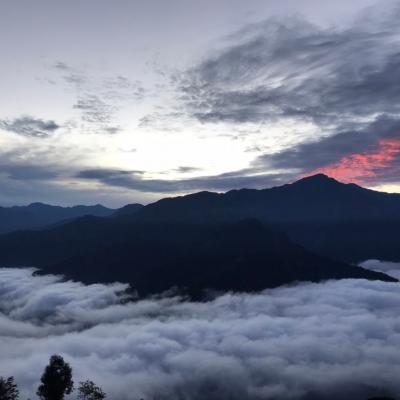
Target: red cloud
{"type": "Point", "coordinates": [359, 167]}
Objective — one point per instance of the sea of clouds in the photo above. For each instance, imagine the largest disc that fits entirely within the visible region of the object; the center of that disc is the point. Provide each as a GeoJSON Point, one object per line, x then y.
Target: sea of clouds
{"type": "Point", "coordinates": [339, 339]}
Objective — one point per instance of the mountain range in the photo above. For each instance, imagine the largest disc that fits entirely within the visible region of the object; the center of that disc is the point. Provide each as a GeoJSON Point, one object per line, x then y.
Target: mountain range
{"type": "Point", "coordinates": [318, 198]}
{"type": "Point", "coordinates": [242, 240]}
{"type": "Point", "coordinates": [39, 215]}
{"type": "Point", "coordinates": [343, 221]}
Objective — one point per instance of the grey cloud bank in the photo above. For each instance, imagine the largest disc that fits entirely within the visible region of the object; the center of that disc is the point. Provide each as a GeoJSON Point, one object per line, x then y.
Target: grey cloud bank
{"type": "Point", "coordinates": [333, 340]}
{"type": "Point", "coordinates": [291, 68]}
{"type": "Point", "coordinates": [221, 182]}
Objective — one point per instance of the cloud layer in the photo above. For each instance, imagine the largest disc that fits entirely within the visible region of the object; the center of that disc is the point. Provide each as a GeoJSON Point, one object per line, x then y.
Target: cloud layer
{"type": "Point", "coordinates": [333, 340]}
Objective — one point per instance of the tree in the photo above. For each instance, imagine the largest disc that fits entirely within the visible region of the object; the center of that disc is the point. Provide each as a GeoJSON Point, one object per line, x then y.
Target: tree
{"type": "Point", "coordinates": [56, 380]}
{"type": "Point", "coordinates": [8, 389]}
{"type": "Point", "coordinates": [89, 391]}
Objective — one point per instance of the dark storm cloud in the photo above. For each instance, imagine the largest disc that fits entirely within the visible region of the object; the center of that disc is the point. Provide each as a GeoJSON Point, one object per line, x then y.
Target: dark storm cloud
{"type": "Point", "coordinates": [298, 70]}
{"type": "Point", "coordinates": [325, 341]}
{"type": "Point", "coordinates": [30, 126]}
{"type": "Point", "coordinates": [231, 180]}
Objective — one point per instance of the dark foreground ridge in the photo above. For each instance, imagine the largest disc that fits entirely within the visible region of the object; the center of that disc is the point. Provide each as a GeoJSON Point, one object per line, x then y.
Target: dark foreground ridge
{"type": "Point", "coordinates": [241, 256]}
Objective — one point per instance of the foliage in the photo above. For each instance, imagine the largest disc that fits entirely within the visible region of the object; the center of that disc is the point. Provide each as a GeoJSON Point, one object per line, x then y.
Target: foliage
{"type": "Point", "coordinates": [8, 389]}
{"type": "Point", "coordinates": [88, 390]}
{"type": "Point", "coordinates": [56, 380]}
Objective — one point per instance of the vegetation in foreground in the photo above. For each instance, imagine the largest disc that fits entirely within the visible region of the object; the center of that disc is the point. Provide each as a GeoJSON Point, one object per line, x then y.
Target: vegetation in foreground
{"type": "Point", "coordinates": [56, 382]}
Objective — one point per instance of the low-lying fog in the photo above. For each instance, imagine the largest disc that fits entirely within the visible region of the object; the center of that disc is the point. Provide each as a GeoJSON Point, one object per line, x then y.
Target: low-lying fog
{"type": "Point", "coordinates": [339, 339]}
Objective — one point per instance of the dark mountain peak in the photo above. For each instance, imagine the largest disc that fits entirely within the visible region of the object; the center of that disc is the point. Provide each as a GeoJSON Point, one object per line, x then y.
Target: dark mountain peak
{"type": "Point", "coordinates": [318, 179]}
{"type": "Point", "coordinates": [202, 195]}
{"type": "Point", "coordinates": [310, 199]}
{"type": "Point", "coordinates": [324, 185]}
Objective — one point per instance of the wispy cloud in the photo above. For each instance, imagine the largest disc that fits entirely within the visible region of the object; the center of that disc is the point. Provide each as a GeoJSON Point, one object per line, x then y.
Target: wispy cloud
{"type": "Point", "coordinates": [30, 126]}
{"type": "Point", "coordinates": [98, 97]}
{"type": "Point", "coordinates": [294, 69]}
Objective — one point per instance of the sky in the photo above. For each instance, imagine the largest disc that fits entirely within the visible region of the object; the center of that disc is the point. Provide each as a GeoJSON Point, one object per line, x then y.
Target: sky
{"type": "Point", "coordinates": [131, 101]}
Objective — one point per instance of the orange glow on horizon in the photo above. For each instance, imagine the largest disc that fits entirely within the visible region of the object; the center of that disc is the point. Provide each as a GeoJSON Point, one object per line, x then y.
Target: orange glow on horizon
{"type": "Point", "coordinates": [358, 167]}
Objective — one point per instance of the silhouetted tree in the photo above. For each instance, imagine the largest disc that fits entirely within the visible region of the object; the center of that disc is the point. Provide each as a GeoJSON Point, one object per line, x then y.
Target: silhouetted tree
{"type": "Point", "coordinates": [88, 390]}
{"type": "Point", "coordinates": [8, 389]}
{"type": "Point", "coordinates": [56, 380]}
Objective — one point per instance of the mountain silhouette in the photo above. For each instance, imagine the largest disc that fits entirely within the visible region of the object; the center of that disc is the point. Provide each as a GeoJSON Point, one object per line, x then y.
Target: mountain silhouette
{"type": "Point", "coordinates": [129, 209]}
{"type": "Point", "coordinates": [241, 240]}
{"type": "Point", "coordinates": [39, 215]}
{"type": "Point", "coordinates": [316, 198]}
{"type": "Point", "coordinates": [240, 256]}
{"type": "Point", "coordinates": [342, 221]}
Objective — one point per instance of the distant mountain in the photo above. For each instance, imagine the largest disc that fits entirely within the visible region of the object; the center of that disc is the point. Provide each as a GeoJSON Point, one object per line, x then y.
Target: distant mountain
{"type": "Point", "coordinates": [241, 256]}
{"type": "Point", "coordinates": [129, 209]}
{"type": "Point", "coordinates": [39, 215]}
{"type": "Point", "coordinates": [313, 199]}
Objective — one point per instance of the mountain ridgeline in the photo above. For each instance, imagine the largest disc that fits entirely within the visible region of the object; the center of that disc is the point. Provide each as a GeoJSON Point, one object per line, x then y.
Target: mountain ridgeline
{"type": "Point", "coordinates": [342, 221]}
{"type": "Point", "coordinates": [314, 199]}
{"type": "Point", "coordinates": [243, 240]}
{"type": "Point", "coordinates": [39, 215]}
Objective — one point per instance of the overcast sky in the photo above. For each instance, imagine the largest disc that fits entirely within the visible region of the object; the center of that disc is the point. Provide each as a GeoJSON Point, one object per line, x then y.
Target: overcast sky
{"type": "Point", "coordinates": [118, 101]}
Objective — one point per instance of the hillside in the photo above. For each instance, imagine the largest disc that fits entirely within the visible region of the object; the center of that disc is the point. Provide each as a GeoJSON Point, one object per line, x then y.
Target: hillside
{"type": "Point", "coordinates": [242, 256]}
